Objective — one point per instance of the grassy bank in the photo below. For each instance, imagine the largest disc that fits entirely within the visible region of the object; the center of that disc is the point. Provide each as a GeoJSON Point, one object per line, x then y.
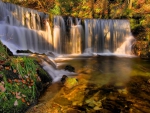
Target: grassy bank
{"type": "Point", "coordinates": [20, 82]}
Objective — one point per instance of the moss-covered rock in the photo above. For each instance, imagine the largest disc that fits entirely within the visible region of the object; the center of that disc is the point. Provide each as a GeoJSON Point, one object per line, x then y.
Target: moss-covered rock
{"type": "Point", "coordinates": [70, 82]}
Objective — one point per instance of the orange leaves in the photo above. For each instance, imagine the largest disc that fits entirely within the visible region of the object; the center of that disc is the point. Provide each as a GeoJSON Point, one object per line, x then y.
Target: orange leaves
{"type": "Point", "coordinates": [9, 80]}
{"type": "Point", "coordinates": [23, 100]}
{"type": "Point", "coordinates": [16, 80]}
{"type": "Point", "coordinates": [141, 1]}
{"type": "Point", "coordinates": [20, 97]}
{"type": "Point", "coordinates": [26, 81]}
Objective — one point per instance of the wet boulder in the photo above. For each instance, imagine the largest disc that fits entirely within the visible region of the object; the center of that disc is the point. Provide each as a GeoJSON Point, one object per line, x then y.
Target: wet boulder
{"type": "Point", "coordinates": [70, 68]}
{"type": "Point", "coordinates": [23, 51]}
{"type": "Point", "coordinates": [63, 79]}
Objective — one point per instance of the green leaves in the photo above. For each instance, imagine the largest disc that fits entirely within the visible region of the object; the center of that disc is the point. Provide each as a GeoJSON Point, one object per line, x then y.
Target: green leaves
{"type": "Point", "coordinates": [55, 10]}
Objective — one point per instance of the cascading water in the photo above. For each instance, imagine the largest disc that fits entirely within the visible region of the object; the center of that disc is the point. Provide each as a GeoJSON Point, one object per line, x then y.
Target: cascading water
{"type": "Point", "coordinates": [107, 35]}
{"type": "Point", "coordinates": [59, 34]}
{"type": "Point", "coordinates": [23, 28]}
{"type": "Point", "coordinates": [67, 35]}
{"type": "Point", "coordinates": [76, 35]}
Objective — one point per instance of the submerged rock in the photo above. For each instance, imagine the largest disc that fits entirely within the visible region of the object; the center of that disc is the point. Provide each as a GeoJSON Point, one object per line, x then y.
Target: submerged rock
{"type": "Point", "coordinates": [70, 82]}
{"type": "Point", "coordinates": [62, 101]}
{"type": "Point", "coordinates": [63, 79]}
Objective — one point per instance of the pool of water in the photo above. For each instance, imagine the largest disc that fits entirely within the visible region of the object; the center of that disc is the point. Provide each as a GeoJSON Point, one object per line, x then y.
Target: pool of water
{"type": "Point", "coordinates": [104, 69]}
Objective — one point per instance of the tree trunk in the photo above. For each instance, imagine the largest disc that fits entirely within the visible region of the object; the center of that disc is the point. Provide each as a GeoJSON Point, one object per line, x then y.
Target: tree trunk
{"type": "Point", "coordinates": [130, 4]}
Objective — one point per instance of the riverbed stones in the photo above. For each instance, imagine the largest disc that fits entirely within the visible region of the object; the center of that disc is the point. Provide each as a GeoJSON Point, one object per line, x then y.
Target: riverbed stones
{"type": "Point", "coordinates": [87, 97]}
{"type": "Point", "coordinates": [62, 101]}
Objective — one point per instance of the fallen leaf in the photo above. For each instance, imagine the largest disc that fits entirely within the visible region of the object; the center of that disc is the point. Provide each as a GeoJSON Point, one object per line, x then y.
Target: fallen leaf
{"type": "Point", "coordinates": [2, 88]}
{"type": "Point", "coordinates": [20, 76]}
{"type": "Point", "coordinates": [23, 95]}
{"type": "Point", "coordinates": [28, 103]}
{"type": "Point", "coordinates": [26, 76]}
{"type": "Point", "coordinates": [39, 79]}
{"type": "Point", "coordinates": [7, 68]}
{"type": "Point", "coordinates": [18, 95]}
{"type": "Point", "coordinates": [16, 103]}
{"type": "Point", "coordinates": [13, 93]}
{"type": "Point", "coordinates": [9, 80]}
{"type": "Point", "coordinates": [15, 80]}
{"type": "Point", "coordinates": [14, 70]}
{"type": "Point", "coordinates": [23, 81]}
{"type": "Point", "coordinates": [3, 82]}
{"type": "Point", "coordinates": [23, 100]}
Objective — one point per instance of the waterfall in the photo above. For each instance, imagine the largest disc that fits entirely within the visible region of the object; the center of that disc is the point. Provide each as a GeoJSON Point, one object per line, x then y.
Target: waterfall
{"type": "Point", "coordinates": [76, 34]}
{"type": "Point", "coordinates": [67, 35]}
{"type": "Point", "coordinates": [27, 29]}
{"type": "Point", "coordinates": [59, 34]}
{"type": "Point", "coordinates": [106, 35]}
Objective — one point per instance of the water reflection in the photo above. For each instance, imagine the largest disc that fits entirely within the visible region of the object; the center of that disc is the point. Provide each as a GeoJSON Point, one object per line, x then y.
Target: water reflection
{"type": "Point", "coordinates": [109, 69]}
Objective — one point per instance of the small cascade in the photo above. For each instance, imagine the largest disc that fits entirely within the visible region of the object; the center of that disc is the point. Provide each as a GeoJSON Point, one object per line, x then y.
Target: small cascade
{"type": "Point", "coordinates": [55, 74]}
